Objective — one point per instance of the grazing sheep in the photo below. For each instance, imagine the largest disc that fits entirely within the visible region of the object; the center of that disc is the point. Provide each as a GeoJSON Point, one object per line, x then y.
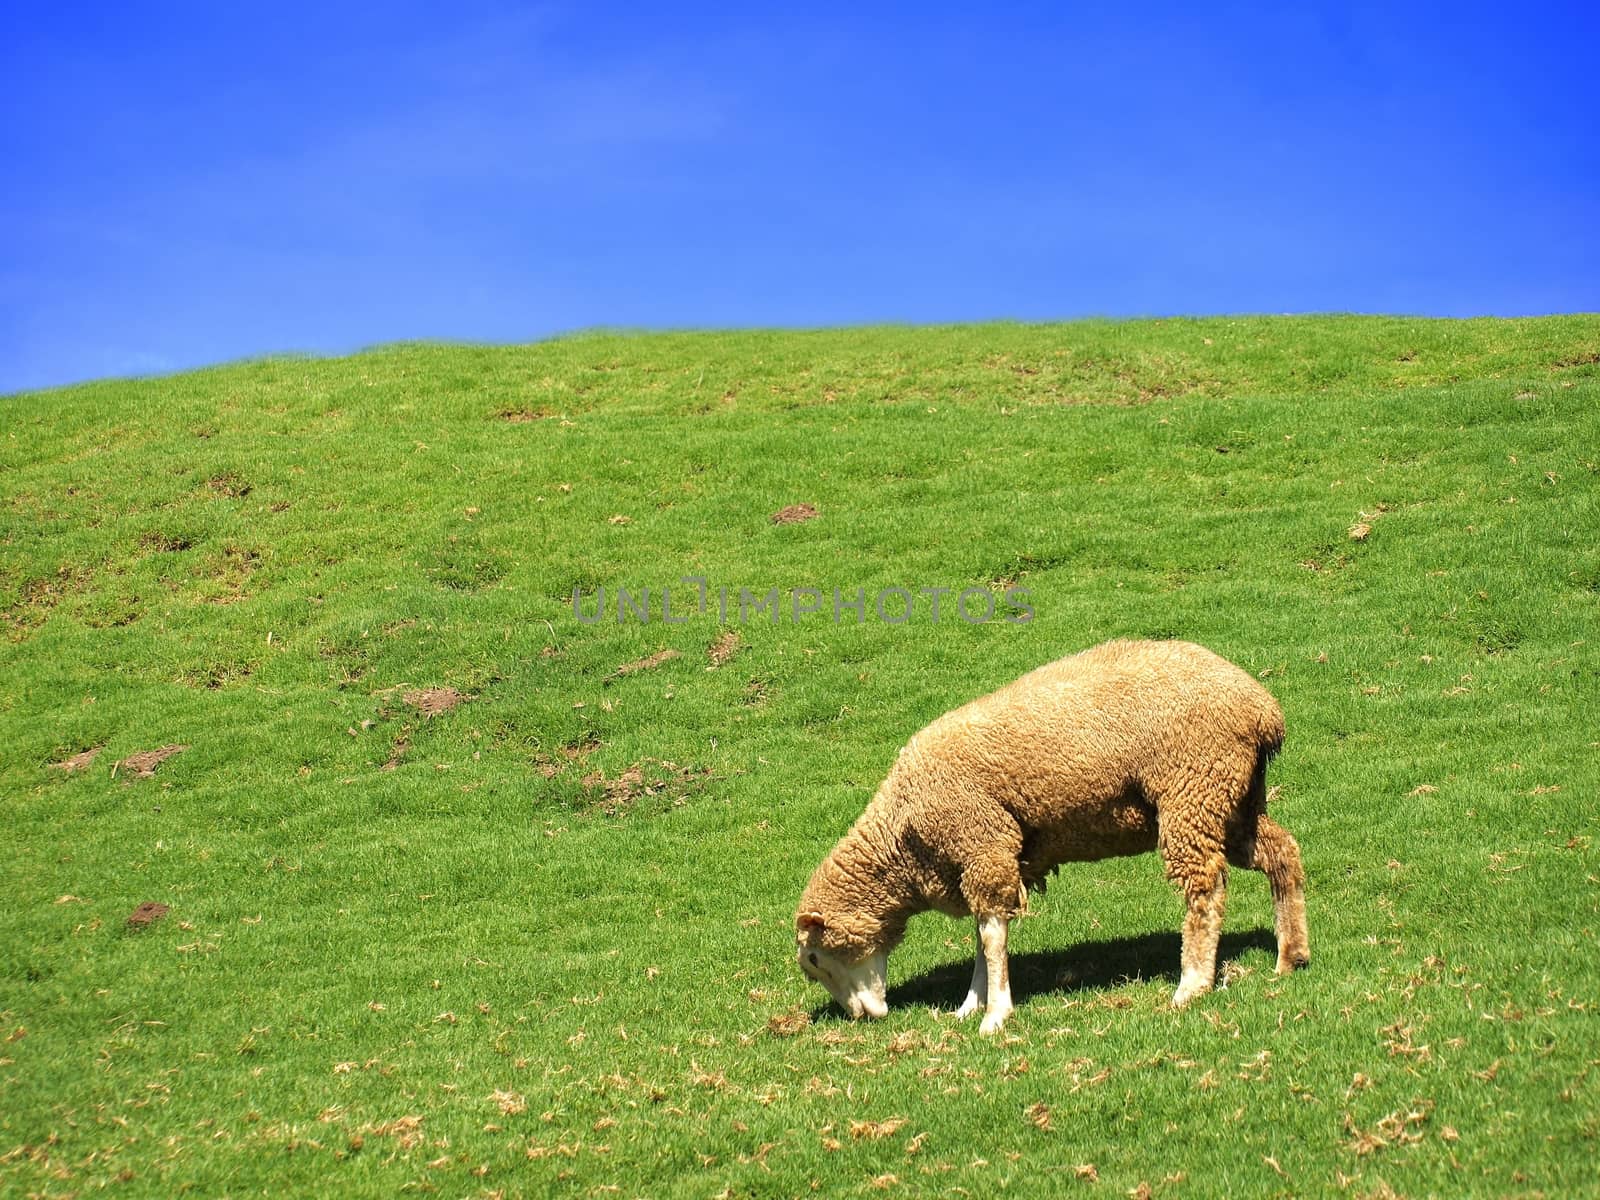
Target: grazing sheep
{"type": "Point", "coordinates": [1124, 748]}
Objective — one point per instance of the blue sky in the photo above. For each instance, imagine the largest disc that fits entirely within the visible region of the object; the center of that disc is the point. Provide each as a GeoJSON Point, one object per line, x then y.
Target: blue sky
{"type": "Point", "coordinates": [187, 184]}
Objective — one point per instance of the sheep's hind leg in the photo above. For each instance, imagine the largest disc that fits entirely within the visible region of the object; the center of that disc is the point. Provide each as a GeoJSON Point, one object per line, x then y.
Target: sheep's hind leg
{"type": "Point", "coordinates": [978, 992]}
{"type": "Point", "coordinates": [996, 969]}
{"type": "Point", "coordinates": [1206, 893]}
{"type": "Point", "coordinates": [1196, 864]}
{"type": "Point", "coordinates": [1274, 852]}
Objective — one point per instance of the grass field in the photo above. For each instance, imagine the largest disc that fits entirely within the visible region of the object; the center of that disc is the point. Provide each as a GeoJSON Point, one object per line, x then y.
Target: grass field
{"type": "Point", "coordinates": [459, 906]}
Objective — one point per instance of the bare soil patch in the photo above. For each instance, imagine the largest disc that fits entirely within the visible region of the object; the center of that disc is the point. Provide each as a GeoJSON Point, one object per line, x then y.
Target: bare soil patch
{"type": "Point", "coordinates": [795, 513]}
{"type": "Point", "coordinates": [581, 748]}
{"type": "Point", "coordinates": [214, 676]}
{"type": "Point", "coordinates": [143, 764]}
{"type": "Point", "coordinates": [231, 485]}
{"type": "Point", "coordinates": [434, 702]}
{"type": "Point", "coordinates": [39, 596]}
{"type": "Point", "coordinates": [165, 543]}
{"type": "Point", "coordinates": [648, 663]}
{"type": "Point", "coordinates": [229, 569]}
{"type": "Point", "coordinates": [522, 416]}
{"type": "Point", "coordinates": [397, 750]}
{"type": "Point", "coordinates": [617, 793]}
{"type": "Point", "coordinates": [574, 751]}
{"type": "Point", "coordinates": [147, 914]}
{"type": "Point", "coordinates": [724, 648]}
{"type": "Point", "coordinates": [79, 761]}
{"type": "Point", "coordinates": [648, 777]}
{"type": "Point", "coordinates": [1577, 360]}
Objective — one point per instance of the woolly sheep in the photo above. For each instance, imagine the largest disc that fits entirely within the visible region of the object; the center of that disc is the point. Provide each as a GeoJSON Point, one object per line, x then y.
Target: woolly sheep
{"type": "Point", "coordinates": [1124, 748]}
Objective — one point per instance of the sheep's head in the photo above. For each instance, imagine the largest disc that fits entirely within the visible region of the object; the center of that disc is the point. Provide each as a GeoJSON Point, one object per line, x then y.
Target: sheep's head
{"type": "Point", "coordinates": [853, 974]}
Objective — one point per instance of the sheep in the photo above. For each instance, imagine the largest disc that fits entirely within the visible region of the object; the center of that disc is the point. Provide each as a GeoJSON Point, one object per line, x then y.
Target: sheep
{"type": "Point", "coordinates": [1124, 748]}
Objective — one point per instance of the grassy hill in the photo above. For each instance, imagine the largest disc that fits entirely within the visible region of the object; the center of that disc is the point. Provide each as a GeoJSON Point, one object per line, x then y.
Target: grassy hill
{"type": "Point", "coordinates": [469, 895]}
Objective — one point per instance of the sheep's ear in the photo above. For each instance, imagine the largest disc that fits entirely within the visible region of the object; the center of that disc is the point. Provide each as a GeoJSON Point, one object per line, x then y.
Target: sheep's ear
{"type": "Point", "coordinates": [809, 922]}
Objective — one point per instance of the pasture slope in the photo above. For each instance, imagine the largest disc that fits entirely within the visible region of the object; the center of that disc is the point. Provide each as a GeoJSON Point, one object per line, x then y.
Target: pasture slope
{"type": "Point", "coordinates": [464, 895]}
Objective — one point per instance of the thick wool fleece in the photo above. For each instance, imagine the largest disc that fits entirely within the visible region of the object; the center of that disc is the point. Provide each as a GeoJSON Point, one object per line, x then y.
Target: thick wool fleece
{"type": "Point", "coordinates": [1124, 748]}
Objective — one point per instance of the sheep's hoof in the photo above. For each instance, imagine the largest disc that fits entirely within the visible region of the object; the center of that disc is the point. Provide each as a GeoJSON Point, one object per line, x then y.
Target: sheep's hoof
{"type": "Point", "coordinates": [1293, 962]}
{"type": "Point", "coordinates": [993, 1023]}
{"type": "Point", "coordinates": [968, 1006]}
{"type": "Point", "coordinates": [1187, 992]}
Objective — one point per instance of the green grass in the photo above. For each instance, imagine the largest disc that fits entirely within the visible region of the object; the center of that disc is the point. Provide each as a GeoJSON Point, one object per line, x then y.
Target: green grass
{"type": "Point", "coordinates": [472, 955]}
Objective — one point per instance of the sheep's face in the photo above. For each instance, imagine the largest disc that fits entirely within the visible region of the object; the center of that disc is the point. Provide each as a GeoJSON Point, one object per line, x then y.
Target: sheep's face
{"type": "Point", "coordinates": [858, 985]}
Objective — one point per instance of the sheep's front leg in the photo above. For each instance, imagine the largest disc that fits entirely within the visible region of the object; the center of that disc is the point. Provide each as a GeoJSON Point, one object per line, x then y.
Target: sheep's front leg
{"type": "Point", "coordinates": [991, 885]}
{"type": "Point", "coordinates": [996, 970]}
{"type": "Point", "coordinates": [978, 991]}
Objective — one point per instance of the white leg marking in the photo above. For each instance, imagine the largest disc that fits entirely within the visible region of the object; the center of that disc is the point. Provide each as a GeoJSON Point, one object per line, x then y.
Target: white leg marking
{"type": "Point", "coordinates": [1202, 927]}
{"type": "Point", "coordinates": [1194, 983]}
{"type": "Point", "coordinates": [992, 934]}
{"type": "Point", "coordinates": [978, 992]}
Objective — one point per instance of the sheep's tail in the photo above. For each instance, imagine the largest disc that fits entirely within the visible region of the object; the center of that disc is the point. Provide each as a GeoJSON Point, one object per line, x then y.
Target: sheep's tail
{"type": "Point", "coordinates": [1269, 727]}
{"type": "Point", "coordinates": [1269, 740]}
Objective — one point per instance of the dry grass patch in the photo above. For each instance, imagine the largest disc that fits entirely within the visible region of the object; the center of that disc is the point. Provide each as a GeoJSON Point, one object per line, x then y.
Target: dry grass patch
{"type": "Point", "coordinates": [874, 1130]}
{"type": "Point", "coordinates": [788, 1024]}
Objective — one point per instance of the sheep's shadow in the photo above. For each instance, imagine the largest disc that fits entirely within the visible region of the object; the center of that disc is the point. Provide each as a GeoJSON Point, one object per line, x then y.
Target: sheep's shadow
{"type": "Point", "coordinates": [1084, 967]}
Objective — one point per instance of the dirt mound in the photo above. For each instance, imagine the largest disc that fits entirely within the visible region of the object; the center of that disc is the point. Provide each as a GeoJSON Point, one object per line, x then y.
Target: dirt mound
{"type": "Point", "coordinates": [795, 513]}
{"type": "Point", "coordinates": [147, 914]}
{"type": "Point", "coordinates": [79, 761]}
{"type": "Point", "coordinates": [144, 764]}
